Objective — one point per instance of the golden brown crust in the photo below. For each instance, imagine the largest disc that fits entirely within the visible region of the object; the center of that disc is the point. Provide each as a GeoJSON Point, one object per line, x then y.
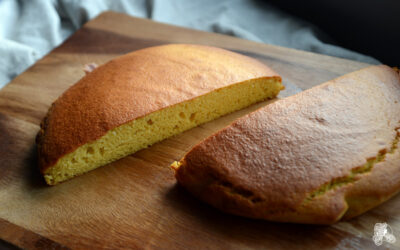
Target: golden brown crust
{"type": "Point", "coordinates": [379, 185]}
{"type": "Point", "coordinates": [301, 158]}
{"type": "Point", "coordinates": [134, 85]}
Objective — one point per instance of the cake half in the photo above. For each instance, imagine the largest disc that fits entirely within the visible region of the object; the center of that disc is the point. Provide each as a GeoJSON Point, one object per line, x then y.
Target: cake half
{"type": "Point", "coordinates": [325, 154]}
{"type": "Point", "coordinates": [143, 97]}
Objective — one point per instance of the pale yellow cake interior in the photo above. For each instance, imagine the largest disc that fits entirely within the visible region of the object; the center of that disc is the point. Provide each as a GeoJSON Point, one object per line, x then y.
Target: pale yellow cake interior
{"type": "Point", "coordinates": [142, 132]}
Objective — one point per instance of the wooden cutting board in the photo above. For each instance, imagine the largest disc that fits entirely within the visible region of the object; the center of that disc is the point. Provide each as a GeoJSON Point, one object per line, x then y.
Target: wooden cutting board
{"type": "Point", "coordinates": [135, 201]}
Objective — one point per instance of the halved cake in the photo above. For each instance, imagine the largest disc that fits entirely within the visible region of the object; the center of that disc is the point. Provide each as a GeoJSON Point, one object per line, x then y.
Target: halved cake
{"type": "Point", "coordinates": [143, 97]}
{"type": "Point", "coordinates": [327, 153]}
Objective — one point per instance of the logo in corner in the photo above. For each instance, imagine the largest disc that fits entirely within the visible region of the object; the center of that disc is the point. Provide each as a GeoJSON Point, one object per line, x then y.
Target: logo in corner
{"type": "Point", "coordinates": [383, 232]}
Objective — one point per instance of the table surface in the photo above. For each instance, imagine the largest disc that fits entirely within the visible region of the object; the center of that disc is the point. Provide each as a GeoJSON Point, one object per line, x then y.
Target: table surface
{"type": "Point", "coordinates": [135, 202]}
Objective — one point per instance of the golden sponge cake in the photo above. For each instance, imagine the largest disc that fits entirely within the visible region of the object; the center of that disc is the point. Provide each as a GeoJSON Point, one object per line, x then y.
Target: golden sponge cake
{"type": "Point", "coordinates": [327, 153]}
{"type": "Point", "coordinates": [143, 97]}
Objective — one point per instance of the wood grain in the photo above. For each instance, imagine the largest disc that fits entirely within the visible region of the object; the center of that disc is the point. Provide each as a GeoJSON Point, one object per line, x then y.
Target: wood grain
{"type": "Point", "coordinates": [135, 202]}
{"type": "Point", "coordinates": [24, 238]}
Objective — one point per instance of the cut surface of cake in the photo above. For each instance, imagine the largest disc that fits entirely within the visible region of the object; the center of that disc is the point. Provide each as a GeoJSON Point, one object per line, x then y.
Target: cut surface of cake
{"type": "Point", "coordinates": [325, 154]}
{"type": "Point", "coordinates": [144, 97]}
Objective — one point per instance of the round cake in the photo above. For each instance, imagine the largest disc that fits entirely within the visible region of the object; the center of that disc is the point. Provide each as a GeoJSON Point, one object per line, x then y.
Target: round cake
{"type": "Point", "coordinates": [325, 154]}
{"type": "Point", "coordinates": [143, 97]}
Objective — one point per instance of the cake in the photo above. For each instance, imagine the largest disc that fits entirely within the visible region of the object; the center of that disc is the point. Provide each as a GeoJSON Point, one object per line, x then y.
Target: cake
{"type": "Point", "coordinates": [325, 154]}
{"type": "Point", "coordinates": [144, 97]}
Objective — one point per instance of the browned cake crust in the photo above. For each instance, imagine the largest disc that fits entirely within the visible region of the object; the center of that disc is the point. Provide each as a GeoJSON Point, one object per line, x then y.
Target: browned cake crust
{"type": "Point", "coordinates": [327, 153]}
{"type": "Point", "coordinates": [136, 84]}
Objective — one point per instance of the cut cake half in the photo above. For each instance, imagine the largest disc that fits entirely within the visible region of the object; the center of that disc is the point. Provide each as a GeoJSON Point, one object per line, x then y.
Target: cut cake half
{"type": "Point", "coordinates": [327, 153]}
{"type": "Point", "coordinates": [144, 97]}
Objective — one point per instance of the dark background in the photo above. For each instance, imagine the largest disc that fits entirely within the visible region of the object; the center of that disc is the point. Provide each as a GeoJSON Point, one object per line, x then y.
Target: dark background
{"type": "Point", "coordinates": [371, 27]}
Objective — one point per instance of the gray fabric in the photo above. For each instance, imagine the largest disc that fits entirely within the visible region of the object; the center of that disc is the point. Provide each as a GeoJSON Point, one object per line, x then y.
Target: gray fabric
{"type": "Point", "coordinates": [31, 28]}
